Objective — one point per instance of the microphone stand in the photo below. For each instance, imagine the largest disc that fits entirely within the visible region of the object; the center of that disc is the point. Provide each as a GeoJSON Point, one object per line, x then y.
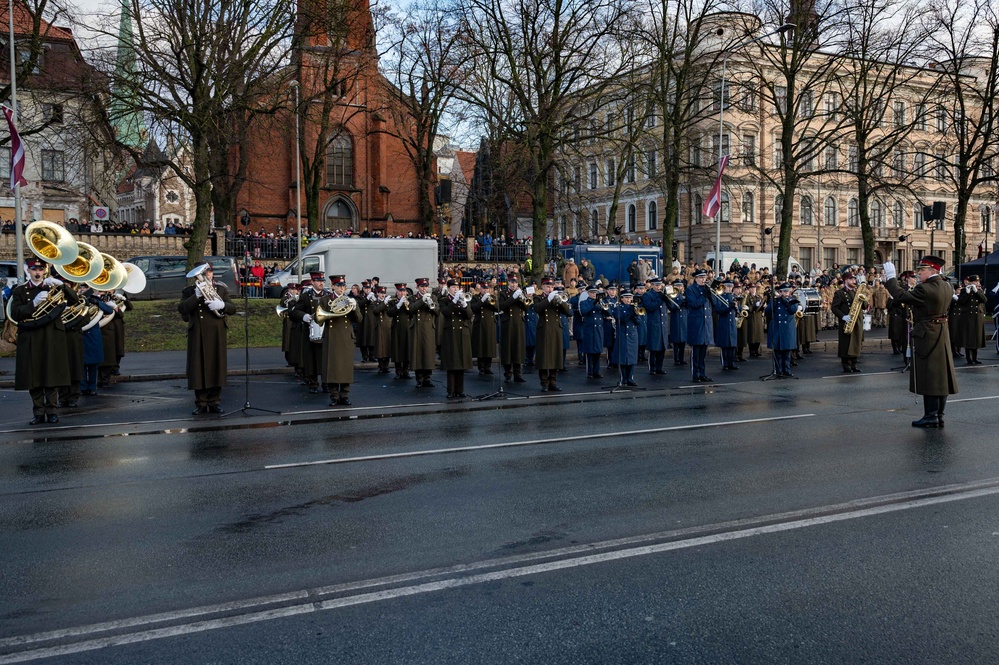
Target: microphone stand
{"type": "Point", "coordinates": [246, 347]}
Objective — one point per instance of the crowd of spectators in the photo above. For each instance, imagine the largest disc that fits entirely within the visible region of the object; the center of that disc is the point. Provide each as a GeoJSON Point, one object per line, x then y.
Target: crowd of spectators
{"type": "Point", "coordinates": [75, 225]}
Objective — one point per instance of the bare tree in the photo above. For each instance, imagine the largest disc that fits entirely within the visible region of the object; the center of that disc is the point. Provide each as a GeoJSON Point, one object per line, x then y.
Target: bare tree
{"type": "Point", "coordinates": [964, 41]}
{"type": "Point", "coordinates": [883, 102]}
{"type": "Point", "coordinates": [550, 59]}
{"type": "Point", "coordinates": [204, 71]}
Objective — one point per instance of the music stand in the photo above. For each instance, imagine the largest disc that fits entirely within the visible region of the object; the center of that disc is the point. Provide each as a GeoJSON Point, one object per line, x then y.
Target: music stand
{"type": "Point", "coordinates": [246, 347]}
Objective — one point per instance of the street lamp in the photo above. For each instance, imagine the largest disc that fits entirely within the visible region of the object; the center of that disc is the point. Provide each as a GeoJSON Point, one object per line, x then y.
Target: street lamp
{"type": "Point", "coordinates": [298, 185]}
{"type": "Point", "coordinates": [721, 126]}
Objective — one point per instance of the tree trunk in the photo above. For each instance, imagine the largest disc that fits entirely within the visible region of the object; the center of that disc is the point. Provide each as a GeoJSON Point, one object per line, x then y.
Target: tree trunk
{"type": "Point", "coordinates": [203, 207]}
{"type": "Point", "coordinates": [960, 236]}
{"type": "Point", "coordinates": [866, 230]}
{"type": "Point", "coordinates": [539, 226]}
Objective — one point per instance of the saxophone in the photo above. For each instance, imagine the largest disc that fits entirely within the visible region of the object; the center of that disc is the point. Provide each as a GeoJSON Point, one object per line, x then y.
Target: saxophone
{"type": "Point", "coordinates": [859, 302]}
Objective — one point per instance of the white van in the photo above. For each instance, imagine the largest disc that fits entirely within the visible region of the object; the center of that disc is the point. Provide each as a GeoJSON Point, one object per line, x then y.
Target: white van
{"type": "Point", "coordinates": [761, 260]}
{"type": "Point", "coordinates": [391, 260]}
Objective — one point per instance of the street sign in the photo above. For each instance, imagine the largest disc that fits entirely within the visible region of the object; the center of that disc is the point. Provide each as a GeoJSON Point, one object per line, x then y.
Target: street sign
{"type": "Point", "coordinates": [101, 213]}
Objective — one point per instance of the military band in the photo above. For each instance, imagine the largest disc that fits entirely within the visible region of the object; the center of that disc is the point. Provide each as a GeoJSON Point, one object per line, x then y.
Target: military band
{"type": "Point", "coordinates": [550, 307]}
{"type": "Point", "coordinates": [206, 308]}
{"type": "Point", "coordinates": [782, 333]}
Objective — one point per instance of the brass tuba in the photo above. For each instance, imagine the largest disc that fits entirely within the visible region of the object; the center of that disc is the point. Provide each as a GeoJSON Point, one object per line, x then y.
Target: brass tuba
{"type": "Point", "coordinates": [51, 242]}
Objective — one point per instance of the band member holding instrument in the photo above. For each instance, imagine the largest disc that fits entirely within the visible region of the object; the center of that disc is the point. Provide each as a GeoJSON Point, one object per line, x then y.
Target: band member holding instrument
{"type": "Point", "coordinates": [366, 329]}
{"type": "Point", "coordinates": [312, 341]}
{"type": "Point", "coordinates": [700, 324]}
{"type": "Point", "coordinates": [898, 317]}
{"type": "Point", "coordinates": [93, 347]}
{"type": "Point", "coordinates": [207, 338]}
{"type": "Point", "coordinates": [643, 321]}
{"type": "Point", "coordinates": [42, 363]}
{"type": "Point", "coordinates": [726, 332]}
{"type": "Point", "coordinates": [972, 300]}
{"type": "Point", "coordinates": [382, 330]}
{"type": "Point", "coordinates": [69, 395]}
{"type": "Point", "coordinates": [456, 339]}
{"type": "Point", "coordinates": [755, 325]}
{"type": "Point", "coordinates": [485, 307]}
{"type": "Point", "coordinates": [549, 356]}
{"type": "Point", "coordinates": [932, 373]}
{"type": "Point", "coordinates": [108, 332]}
{"type": "Point", "coordinates": [657, 315]}
{"type": "Point", "coordinates": [423, 312]}
{"type": "Point", "coordinates": [782, 334]}
{"type": "Point", "coordinates": [338, 342]}
{"type": "Point", "coordinates": [513, 330]}
{"type": "Point", "coordinates": [121, 304]}
{"type": "Point", "coordinates": [625, 352]}
{"type": "Point", "coordinates": [593, 311]}
{"type": "Point", "coordinates": [398, 308]}
{"type": "Point", "coordinates": [850, 345]}
{"type": "Point", "coordinates": [740, 331]}
{"type": "Point", "coordinates": [291, 330]}
{"type": "Point", "coordinates": [677, 322]}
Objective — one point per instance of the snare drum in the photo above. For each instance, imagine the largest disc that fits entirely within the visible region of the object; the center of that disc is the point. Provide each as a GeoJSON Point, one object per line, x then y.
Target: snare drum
{"type": "Point", "coordinates": [810, 299]}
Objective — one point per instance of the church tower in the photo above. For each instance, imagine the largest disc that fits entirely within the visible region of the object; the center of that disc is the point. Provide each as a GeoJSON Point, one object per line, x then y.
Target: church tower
{"type": "Point", "coordinates": [126, 121]}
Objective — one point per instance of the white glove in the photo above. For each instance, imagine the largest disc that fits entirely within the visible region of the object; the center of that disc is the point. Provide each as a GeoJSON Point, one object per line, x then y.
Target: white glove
{"type": "Point", "coordinates": [518, 294]}
{"type": "Point", "coordinates": [846, 319]}
{"type": "Point", "coordinates": [484, 297]}
{"type": "Point", "coordinates": [39, 298]}
{"type": "Point", "coordinates": [52, 281]}
{"type": "Point", "coordinates": [307, 318]}
{"type": "Point", "coordinates": [197, 290]}
{"type": "Point", "coordinates": [955, 297]}
{"type": "Point", "coordinates": [552, 296]}
{"type": "Point", "coordinates": [889, 268]}
{"type": "Point", "coordinates": [216, 305]}
{"type": "Point", "coordinates": [372, 297]}
{"type": "Point", "coordinates": [401, 303]}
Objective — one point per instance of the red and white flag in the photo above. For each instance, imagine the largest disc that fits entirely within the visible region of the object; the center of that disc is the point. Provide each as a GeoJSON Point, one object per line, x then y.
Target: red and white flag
{"type": "Point", "coordinates": [16, 151]}
{"type": "Point", "coordinates": [713, 204]}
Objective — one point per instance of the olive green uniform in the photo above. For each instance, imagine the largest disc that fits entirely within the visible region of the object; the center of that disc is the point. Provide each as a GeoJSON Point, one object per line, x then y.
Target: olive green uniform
{"type": "Point", "coordinates": [207, 344]}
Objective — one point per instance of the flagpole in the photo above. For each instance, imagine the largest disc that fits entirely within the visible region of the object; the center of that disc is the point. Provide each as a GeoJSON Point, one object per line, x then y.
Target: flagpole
{"type": "Point", "coordinates": [18, 233]}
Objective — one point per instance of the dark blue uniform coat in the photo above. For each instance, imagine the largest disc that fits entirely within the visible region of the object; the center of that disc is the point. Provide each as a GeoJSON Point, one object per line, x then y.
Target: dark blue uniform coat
{"type": "Point", "coordinates": [700, 322]}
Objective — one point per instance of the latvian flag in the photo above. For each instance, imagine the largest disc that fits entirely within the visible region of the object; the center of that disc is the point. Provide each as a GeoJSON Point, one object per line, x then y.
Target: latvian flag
{"type": "Point", "coordinates": [16, 151]}
{"type": "Point", "coordinates": [713, 204]}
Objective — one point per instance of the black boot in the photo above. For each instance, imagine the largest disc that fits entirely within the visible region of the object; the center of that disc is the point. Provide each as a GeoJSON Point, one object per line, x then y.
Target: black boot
{"type": "Point", "coordinates": [931, 410]}
{"type": "Point", "coordinates": [941, 405]}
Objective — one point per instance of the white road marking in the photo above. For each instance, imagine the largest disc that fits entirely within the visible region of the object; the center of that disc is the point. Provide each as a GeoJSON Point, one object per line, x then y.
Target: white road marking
{"type": "Point", "coordinates": [971, 399]}
{"type": "Point", "coordinates": [532, 442]}
{"type": "Point", "coordinates": [308, 605]}
{"type": "Point", "coordinates": [856, 374]}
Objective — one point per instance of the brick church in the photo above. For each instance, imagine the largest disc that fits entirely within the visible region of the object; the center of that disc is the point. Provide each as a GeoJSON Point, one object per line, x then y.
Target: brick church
{"type": "Point", "coordinates": [349, 130]}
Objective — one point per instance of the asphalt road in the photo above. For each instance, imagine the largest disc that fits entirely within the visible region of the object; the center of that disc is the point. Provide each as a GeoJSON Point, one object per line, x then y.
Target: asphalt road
{"type": "Point", "coordinates": [754, 522]}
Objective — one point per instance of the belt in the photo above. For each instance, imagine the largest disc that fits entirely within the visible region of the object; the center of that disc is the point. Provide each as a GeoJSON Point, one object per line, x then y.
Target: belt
{"type": "Point", "coordinates": [933, 319]}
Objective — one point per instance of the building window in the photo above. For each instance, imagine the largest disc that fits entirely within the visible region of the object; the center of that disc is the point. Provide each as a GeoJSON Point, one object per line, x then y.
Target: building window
{"type": "Point", "coordinates": [832, 105]}
{"type": "Point", "coordinates": [594, 223]}
{"type": "Point", "coordinates": [629, 169]}
{"type": "Point", "coordinates": [339, 216]}
{"type": "Point", "coordinates": [632, 218]}
{"type": "Point", "coordinates": [695, 152]}
{"type": "Point", "coordinates": [52, 113]}
{"type": "Point", "coordinates": [898, 215]}
{"type": "Point", "coordinates": [5, 164]}
{"type": "Point", "coordinates": [650, 164]}
{"type": "Point", "coordinates": [53, 167]}
{"type": "Point", "coordinates": [611, 175]}
{"type": "Point", "coordinates": [780, 99]}
{"type": "Point", "coordinates": [593, 175]}
{"type": "Point", "coordinates": [652, 219]}
{"type": "Point", "coordinates": [919, 164]}
{"type": "Point", "coordinates": [698, 204]}
{"type": "Point", "coordinates": [778, 153]}
{"type": "Point", "coordinates": [340, 161]}
{"type": "Point", "coordinates": [749, 149]}
{"type": "Point", "coordinates": [877, 218]}
{"type": "Point", "coordinates": [853, 256]}
{"type": "Point", "coordinates": [898, 164]}
{"type": "Point", "coordinates": [828, 258]}
{"type": "Point", "coordinates": [806, 210]}
{"type": "Point", "coordinates": [805, 107]}
{"type": "Point", "coordinates": [917, 216]}
{"type": "Point", "coordinates": [941, 119]}
{"type": "Point", "coordinates": [577, 178]}
{"type": "Point", "coordinates": [805, 255]}
{"type": "Point", "coordinates": [831, 158]}
{"type": "Point", "coordinates": [898, 111]}
{"type": "Point", "coordinates": [747, 99]}
{"type": "Point", "coordinates": [726, 207]}
{"type": "Point", "coordinates": [852, 213]}
{"type": "Point", "coordinates": [172, 196]}
{"type": "Point", "coordinates": [830, 211]}
{"type": "Point", "coordinates": [650, 121]}
{"type": "Point", "coordinates": [852, 158]}
{"type": "Point", "coordinates": [921, 117]}
{"type": "Point", "coordinates": [778, 209]}
{"type": "Point", "coordinates": [941, 166]}
{"type": "Point", "coordinates": [726, 145]}
{"type": "Point", "coordinates": [748, 208]}
{"type": "Point", "coordinates": [985, 212]}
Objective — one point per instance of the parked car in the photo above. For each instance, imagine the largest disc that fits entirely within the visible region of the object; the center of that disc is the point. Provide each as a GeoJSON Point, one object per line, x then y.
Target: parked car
{"type": "Point", "coordinates": [166, 276]}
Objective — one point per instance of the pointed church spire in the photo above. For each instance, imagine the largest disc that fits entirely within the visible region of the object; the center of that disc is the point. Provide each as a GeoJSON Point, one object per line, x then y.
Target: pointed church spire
{"type": "Point", "coordinates": [126, 120]}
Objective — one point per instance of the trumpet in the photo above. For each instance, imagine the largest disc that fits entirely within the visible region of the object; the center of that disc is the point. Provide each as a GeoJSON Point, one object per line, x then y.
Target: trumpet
{"type": "Point", "coordinates": [462, 299]}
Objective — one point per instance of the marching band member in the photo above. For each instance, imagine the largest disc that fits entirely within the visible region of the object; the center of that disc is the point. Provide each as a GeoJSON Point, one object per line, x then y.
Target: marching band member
{"type": "Point", "coordinates": [700, 324]}
{"type": "Point", "coordinates": [782, 334]}
{"type": "Point", "coordinates": [93, 348]}
{"type": "Point", "coordinates": [121, 304]}
{"type": "Point", "coordinates": [726, 333]}
{"type": "Point", "coordinates": [593, 311]}
{"type": "Point", "coordinates": [932, 374]}
{"type": "Point", "coordinates": [207, 340]}
{"type": "Point", "coordinates": [678, 322]}
{"type": "Point", "coordinates": [382, 330]}
{"type": "Point", "coordinates": [657, 315]}
{"type": "Point", "coordinates": [366, 329]}
{"type": "Point", "coordinates": [69, 395]}
{"type": "Point", "coordinates": [312, 344]}
{"type": "Point", "coordinates": [106, 367]}
{"type": "Point", "coordinates": [850, 345]}
{"type": "Point", "coordinates": [755, 325]}
{"type": "Point", "coordinates": [741, 332]}
{"type": "Point", "coordinates": [485, 307]}
{"type": "Point", "coordinates": [954, 319]}
{"type": "Point", "coordinates": [513, 333]}
{"type": "Point", "coordinates": [610, 297]}
{"type": "Point", "coordinates": [643, 323]}
{"type": "Point", "coordinates": [456, 340]}
{"type": "Point", "coordinates": [423, 312]}
{"type": "Point", "coordinates": [42, 362]}
{"type": "Point", "coordinates": [398, 309]}
{"type": "Point", "coordinates": [550, 307]}
{"type": "Point", "coordinates": [566, 321]}
{"type": "Point", "coordinates": [291, 329]}
{"type": "Point", "coordinates": [898, 317]}
{"type": "Point", "coordinates": [808, 332]}
{"type": "Point", "coordinates": [577, 321]}
{"type": "Point", "coordinates": [625, 352]}
{"type": "Point", "coordinates": [338, 344]}
{"type": "Point", "coordinates": [972, 300]}
{"type": "Point", "coordinates": [530, 333]}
